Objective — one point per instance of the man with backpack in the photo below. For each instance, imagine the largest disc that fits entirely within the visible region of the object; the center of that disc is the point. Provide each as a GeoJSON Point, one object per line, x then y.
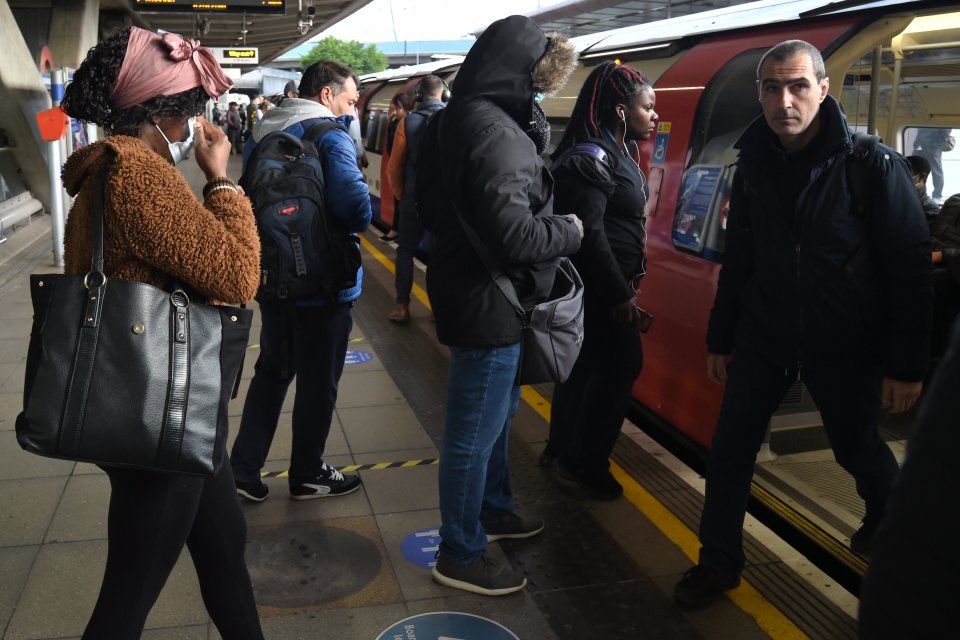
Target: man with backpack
{"type": "Point", "coordinates": [311, 276]}
{"type": "Point", "coordinates": [402, 174]}
{"type": "Point", "coordinates": [817, 286]}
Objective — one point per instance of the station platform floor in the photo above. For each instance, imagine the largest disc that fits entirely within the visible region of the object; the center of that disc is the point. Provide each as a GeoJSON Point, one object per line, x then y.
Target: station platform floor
{"type": "Point", "coordinates": [354, 567]}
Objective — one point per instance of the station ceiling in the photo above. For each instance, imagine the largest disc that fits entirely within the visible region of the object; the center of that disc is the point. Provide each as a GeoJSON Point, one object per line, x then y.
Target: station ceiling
{"type": "Point", "coordinates": [581, 17]}
{"type": "Point", "coordinates": [272, 34]}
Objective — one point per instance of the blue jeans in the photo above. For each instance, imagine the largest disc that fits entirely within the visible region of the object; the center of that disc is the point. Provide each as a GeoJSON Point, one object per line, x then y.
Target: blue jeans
{"type": "Point", "coordinates": [848, 396]}
{"type": "Point", "coordinates": [308, 343]}
{"type": "Point", "coordinates": [474, 470]}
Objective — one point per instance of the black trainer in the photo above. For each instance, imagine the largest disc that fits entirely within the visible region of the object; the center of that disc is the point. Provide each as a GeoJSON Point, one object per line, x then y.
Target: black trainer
{"type": "Point", "coordinates": [483, 575]}
{"type": "Point", "coordinates": [702, 586]}
{"type": "Point", "coordinates": [861, 541]}
{"type": "Point", "coordinates": [255, 491]}
{"type": "Point", "coordinates": [511, 527]}
{"type": "Point", "coordinates": [328, 484]}
{"type": "Point", "coordinates": [601, 485]}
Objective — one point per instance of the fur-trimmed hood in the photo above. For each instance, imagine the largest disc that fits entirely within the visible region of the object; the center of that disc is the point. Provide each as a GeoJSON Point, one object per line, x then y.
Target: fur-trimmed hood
{"type": "Point", "coordinates": [512, 61]}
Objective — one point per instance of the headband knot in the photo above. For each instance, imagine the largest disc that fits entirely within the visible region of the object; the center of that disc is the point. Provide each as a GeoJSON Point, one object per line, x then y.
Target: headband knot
{"type": "Point", "coordinates": [180, 48]}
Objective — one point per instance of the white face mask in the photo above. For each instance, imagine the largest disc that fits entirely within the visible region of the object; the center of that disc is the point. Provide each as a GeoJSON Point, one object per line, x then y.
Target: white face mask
{"type": "Point", "coordinates": [180, 151]}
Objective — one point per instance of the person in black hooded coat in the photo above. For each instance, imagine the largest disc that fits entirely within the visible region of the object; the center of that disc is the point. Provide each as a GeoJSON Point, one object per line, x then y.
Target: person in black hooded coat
{"type": "Point", "coordinates": [489, 140]}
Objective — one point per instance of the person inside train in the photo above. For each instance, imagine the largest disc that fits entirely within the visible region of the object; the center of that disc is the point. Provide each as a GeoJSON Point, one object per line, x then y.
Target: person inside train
{"type": "Point", "coordinates": [146, 90]}
{"type": "Point", "coordinates": [597, 177]}
{"type": "Point", "coordinates": [930, 143]}
{"type": "Point", "coordinates": [809, 292]}
{"type": "Point", "coordinates": [920, 168]}
{"type": "Point", "coordinates": [488, 156]}
{"type": "Point", "coordinates": [402, 171]}
{"type": "Point", "coordinates": [400, 106]}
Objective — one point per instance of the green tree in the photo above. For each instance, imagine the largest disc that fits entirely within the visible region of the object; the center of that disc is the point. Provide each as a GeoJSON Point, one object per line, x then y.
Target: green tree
{"type": "Point", "coordinates": [362, 59]}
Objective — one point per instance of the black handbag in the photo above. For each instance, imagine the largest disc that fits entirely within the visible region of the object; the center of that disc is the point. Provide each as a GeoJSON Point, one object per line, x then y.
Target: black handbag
{"type": "Point", "coordinates": [124, 373]}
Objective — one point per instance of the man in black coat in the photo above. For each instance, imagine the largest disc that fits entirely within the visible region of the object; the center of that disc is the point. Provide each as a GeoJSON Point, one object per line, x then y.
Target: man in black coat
{"type": "Point", "coordinates": [488, 143]}
{"type": "Point", "coordinates": [814, 287]}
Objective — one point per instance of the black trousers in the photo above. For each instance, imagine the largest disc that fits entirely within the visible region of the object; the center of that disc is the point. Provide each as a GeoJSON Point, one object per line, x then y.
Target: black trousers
{"type": "Point", "coordinates": [409, 238]}
{"type": "Point", "coordinates": [309, 343]}
{"type": "Point", "coordinates": [151, 516]}
{"type": "Point", "coordinates": [848, 397]}
{"type": "Point", "coordinates": [588, 408]}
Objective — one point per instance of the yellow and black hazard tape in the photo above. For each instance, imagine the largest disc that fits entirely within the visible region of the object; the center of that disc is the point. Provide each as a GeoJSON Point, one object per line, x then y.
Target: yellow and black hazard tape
{"type": "Point", "coordinates": [362, 467]}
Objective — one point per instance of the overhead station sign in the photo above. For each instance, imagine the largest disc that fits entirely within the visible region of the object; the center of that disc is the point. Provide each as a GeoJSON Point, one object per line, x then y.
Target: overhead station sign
{"type": "Point", "coordinates": [236, 55]}
{"type": "Point", "coordinates": [227, 6]}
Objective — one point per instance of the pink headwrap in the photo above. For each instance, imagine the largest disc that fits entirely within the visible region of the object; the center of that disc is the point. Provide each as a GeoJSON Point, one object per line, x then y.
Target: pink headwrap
{"type": "Point", "coordinates": [156, 65]}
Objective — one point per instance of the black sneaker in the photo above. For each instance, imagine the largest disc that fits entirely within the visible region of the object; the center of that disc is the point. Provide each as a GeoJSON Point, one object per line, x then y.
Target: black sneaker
{"type": "Point", "coordinates": [601, 485]}
{"type": "Point", "coordinates": [702, 586]}
{"type": "Point", "coordinates": [511, 527]}
{"type": "Point", "coordinates": [861, 541]}
{"type": "Point", "coordinates": [483, 576]}
{"type": "Point", "coordinates": [328, 484]}
{"type": "Point", "coordinates": [255, 491]}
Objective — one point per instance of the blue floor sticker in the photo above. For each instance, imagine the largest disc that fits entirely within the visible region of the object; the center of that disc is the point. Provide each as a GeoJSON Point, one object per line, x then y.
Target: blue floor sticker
{"type": "Point", "coordinates": [358, 357]}
{"type": "Point", "coordinates": [447, 625]}
{"type": "Point", "coordinates": [420, 547]}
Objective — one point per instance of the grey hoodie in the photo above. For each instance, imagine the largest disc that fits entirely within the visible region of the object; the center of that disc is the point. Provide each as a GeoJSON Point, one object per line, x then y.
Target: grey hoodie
{"type": "Point", "coordinates": [292, 111]}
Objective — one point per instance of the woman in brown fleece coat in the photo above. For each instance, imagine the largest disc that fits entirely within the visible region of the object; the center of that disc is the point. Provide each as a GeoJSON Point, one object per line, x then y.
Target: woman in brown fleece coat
{"type": "Point", "coordinates": [156, 231]}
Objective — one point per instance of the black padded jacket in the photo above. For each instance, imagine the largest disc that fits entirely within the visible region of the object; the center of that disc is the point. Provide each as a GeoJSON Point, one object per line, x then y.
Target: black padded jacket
{"type": "Point", "coordinates": [500, 187]}
{"type": "Point", "coordinates": [834, 279]}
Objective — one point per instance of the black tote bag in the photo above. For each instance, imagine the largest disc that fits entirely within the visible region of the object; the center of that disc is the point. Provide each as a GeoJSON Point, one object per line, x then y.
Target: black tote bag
{"type": "Point", "coordinates": [124, 373]}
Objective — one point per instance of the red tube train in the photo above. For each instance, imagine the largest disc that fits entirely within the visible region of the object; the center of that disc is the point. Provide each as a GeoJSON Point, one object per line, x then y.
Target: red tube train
{"type": "Point", "coordinates": [894, 67]}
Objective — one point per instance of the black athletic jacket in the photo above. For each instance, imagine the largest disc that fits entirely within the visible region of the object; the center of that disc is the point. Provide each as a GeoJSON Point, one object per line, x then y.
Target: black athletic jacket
{"type": "Point", "coordinates": [837, 282]}
{"type": "Point", "coordinates": [501, 188]}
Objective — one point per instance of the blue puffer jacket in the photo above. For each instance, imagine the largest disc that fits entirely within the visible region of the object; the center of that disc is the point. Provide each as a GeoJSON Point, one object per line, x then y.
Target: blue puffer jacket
{"type": "Point", "coordinates": [840, 284]}
{"type": "Point", "coordinates": [347, 196]}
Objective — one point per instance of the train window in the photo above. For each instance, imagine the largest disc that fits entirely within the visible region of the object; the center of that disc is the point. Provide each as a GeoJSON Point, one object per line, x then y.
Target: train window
{"type": "Point", "coordinates": [728, 104]}
{"type": "Point", "coordinates": [939, 146]}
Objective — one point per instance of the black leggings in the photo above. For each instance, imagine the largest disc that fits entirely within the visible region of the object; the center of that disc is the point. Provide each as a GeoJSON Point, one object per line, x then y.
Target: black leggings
{"type": "Point", "coordinates": [151, 516]}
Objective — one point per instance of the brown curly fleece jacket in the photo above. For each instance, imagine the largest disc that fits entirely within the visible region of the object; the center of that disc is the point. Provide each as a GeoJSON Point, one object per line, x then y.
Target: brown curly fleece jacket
{"type": "Point", "coordinates": [155, 229]}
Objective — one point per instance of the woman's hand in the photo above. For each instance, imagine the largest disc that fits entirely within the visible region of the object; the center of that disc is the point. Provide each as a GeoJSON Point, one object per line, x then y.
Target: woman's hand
{"type": "Point", "coordinates": [212, 149]}
{"type": "Point", "coordinates": [627, 314]}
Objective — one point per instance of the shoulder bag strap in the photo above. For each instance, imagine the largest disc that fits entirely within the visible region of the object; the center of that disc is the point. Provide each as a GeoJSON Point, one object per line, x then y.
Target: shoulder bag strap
{"type": "Point", "coordinates": [486, 257]}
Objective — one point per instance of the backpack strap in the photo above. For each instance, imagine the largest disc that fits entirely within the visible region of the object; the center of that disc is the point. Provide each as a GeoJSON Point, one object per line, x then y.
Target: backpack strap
{"type": "Point", "coordinates": [591, 149]}
{"type": "Point", "coordinates": [858, 168]}
{"type": "Point", "coordinates": [320, 128]}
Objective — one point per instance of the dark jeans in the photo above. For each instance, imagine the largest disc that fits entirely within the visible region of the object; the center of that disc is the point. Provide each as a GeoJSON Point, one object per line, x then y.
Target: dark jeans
{"type": "Point", "coordinates": [589, 407]}
{"type": "Point", "coordinates": [151, 516]}
{"type": "Point", "coordinates": [311, 344]}
{"type": "Point", "coordinates": [848, 396]}
{"type": "Point", "coordinates": [410, 236]}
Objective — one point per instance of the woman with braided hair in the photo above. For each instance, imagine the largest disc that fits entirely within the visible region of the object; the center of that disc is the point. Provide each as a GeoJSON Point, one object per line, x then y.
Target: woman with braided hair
{"type": "Point", "coordinates": [146, 90]}
{"type": "Point", "coordinates": [598, 179]}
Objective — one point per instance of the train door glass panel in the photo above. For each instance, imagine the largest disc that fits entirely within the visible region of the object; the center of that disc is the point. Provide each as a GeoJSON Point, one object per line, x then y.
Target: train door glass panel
{"type": "Point", "coordinates": [939, 146]}
{"type": "Point", "coordinates": [728, 104]}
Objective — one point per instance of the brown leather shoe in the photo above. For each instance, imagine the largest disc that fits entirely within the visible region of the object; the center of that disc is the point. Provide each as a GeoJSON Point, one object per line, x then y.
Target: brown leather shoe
{"type": "Point", "coordinates": [400, 314]}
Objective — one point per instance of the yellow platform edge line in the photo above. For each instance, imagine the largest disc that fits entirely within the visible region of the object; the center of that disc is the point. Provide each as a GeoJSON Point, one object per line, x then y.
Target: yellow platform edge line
{"type": "Point", "coordinates": [418, 291]}
{"type": "Point", "coordinates": [768, 617]}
